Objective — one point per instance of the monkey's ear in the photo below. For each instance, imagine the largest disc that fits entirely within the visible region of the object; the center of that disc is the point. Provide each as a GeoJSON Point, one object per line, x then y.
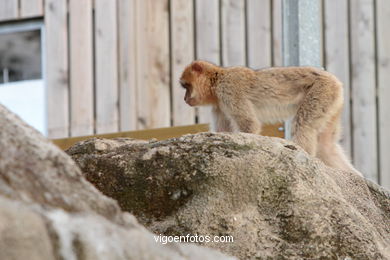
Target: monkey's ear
{"type": "Point", "coordinates": [197, 67]}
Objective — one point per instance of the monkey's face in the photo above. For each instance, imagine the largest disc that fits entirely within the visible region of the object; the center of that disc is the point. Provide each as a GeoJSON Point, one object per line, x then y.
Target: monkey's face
{"type": "Point", "coordinates": [197, 87]}
{"type": "Point", "coordinates": [191, 96]}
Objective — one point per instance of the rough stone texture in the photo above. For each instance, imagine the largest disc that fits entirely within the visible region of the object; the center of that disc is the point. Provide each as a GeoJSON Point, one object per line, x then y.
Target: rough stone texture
{"type": "Point", "coordinates": [275, 200]}
{"type": "Point", "coordinates": [36, 233]}
{"type": "Point", "coordinates": [32, 169]}
{"type": "Point", "coordinates": [49, 211]}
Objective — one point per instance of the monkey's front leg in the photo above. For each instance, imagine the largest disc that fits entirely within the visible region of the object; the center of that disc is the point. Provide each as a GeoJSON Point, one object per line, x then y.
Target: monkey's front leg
{"type": "Point", "coordinates": [248, 125]}
{"type": "Point", "coordinates": [220, 122]}
{"type": "Point", "coordinates": [243, 118]}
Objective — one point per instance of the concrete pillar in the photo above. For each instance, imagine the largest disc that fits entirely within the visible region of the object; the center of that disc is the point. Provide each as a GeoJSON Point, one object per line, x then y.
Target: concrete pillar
{"type": "Point", "coordinates": [301, 36]}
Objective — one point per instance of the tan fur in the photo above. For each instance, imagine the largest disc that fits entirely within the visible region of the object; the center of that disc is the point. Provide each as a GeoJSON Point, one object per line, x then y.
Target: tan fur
{"type": "Point", "coordinates": [243, 99]}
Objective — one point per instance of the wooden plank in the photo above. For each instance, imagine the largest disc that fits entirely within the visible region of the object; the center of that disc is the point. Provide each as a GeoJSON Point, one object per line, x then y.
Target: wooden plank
{"type": "Point", "coordinates": [158, 63]}
{"type": "Point", "coordinates": [259, 44]}
{"type": "Point", "coordinates": [182, 53]}
{"type": "Point", "coordinates": [81, 68]}
{"type": "Point", "coordinates": [31, 8]}
{"type": "Point", "coordinates": [57, 78]}
{"type": "Point", "coordinates": [106, 75]}
{"type": "Point", "coordinates": [337, 58]}
{"type": "Point", "coordinates": [276, 48]}
{"type": "Point", "coordinates": [363, 88]}
{"type": "Point", "coordinates": [207, 41]}
{"type": "Point", "coordinates": [127, 66]}
{"type": "Point", "coordinates": [153, 79]}
{"type": "Point", "coordinates": [259, 53]}
{"type": "Point", "coordinates": [142, 86]}
{"type": "Point", "coordinates": [8, 10]}
{"type": "Point", "coordinates": [277, 58]}
{"type": "Point", "coordinates": [383, 65]}
{"type": "Point", "coordinates": [233, 32]}
{"type": "Point", "coordinates": [159, 134]}
{"type": "Point", "coordinates": [322, 32]}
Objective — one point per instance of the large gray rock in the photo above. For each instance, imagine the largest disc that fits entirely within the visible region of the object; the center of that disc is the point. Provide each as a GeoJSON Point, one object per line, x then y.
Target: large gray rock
{"type": "Point", "coordinates": [275, 200]}
{"type": "Point", "coordinates": [32, 169]}
{"type": "Point", "coordinates": [36, 233]}
{"type": "Point", "coordinates": [49, 211]}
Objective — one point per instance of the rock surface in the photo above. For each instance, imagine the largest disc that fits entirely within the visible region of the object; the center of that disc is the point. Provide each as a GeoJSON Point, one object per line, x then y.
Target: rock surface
{"type": "Point", "coordinates": [275, 200]}
{"type": "Point", "coordinates": [49, 211]}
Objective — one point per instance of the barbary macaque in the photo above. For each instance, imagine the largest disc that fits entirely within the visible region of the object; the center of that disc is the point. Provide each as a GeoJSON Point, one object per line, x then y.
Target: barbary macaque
{"type": "Point", "coordinates": [243, 99]}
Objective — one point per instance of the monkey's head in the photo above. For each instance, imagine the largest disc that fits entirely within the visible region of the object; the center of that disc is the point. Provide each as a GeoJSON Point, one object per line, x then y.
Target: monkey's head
{"type": "Point", "coordinates": [195, 79]}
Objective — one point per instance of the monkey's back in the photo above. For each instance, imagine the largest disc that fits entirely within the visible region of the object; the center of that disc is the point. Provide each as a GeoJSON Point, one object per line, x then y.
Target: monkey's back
{"type": "Point", "coordinates": [277, 92]}
{"type": "Point", "coordinates": [290, 81]}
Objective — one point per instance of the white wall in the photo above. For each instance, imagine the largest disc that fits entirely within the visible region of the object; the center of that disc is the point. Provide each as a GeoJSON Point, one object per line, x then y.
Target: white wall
{"type": "Point", "coordinates": [28, 100]}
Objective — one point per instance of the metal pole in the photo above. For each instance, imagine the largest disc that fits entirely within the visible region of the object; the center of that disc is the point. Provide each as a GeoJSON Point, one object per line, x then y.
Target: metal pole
{"type": "Point", "coordinates": [301, 37]}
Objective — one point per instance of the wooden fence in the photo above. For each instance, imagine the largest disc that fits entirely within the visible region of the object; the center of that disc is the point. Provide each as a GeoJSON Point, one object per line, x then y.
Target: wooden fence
{"type": "Point", "coordinates": [113, 65]}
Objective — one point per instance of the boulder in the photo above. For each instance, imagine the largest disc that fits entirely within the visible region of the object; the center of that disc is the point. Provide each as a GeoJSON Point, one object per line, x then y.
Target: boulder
{"type": "Point", "coordinates": [49, 211]}
{"type": "Point", "coordinates": [275, 200]}
{"type": "Point", "coordinates": [34, 170]}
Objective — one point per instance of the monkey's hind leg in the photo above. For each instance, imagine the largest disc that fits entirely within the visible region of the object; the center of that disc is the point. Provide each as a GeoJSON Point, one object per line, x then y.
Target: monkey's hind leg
{"type": "Point", "coordinates": [316, 126]}
{"type": "Point", "coordinates": [305, 137]}
{"type": "Point", "coordinates": [329, 149]}
{"type": "Point", "coordinates": [322, 100]}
